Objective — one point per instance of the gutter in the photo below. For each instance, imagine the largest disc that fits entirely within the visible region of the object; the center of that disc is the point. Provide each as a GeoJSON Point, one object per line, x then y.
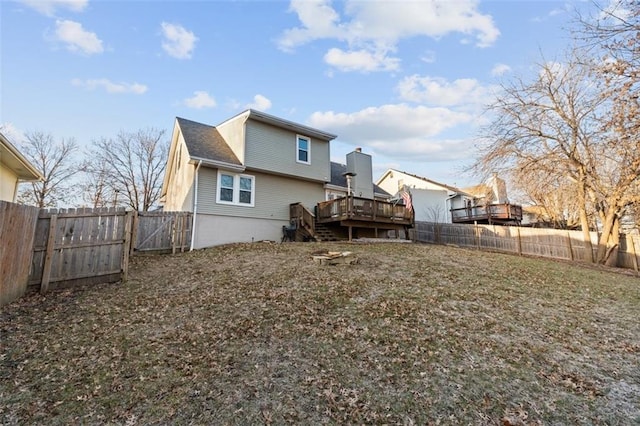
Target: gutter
{"type": "Point", "coordinates": [219, 164]}
{"type": "Point", "coordinates": [195, 205]}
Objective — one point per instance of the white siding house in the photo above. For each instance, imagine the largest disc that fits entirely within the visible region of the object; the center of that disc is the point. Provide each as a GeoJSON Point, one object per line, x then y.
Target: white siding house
{"type": "Point", "coordinates": [14, 168]}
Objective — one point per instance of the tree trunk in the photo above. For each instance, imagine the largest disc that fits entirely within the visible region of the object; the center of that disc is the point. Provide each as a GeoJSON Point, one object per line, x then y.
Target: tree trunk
{"type": "Point", "coordinates": [584, 220]}
{"type": "Point", "coordinates": [608, 241]}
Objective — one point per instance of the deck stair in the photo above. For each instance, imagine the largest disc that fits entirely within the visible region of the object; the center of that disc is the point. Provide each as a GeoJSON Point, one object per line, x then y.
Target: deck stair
{"type": "Point", "coordinates": [324, 233]}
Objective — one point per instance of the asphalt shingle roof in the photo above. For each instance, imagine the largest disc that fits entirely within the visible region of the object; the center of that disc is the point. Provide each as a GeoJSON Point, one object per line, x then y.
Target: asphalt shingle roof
{"type": "Point", "coordinates": [206, 142]}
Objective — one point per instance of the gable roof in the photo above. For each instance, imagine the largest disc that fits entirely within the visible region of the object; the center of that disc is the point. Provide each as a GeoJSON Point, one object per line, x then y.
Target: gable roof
{"type": "Point", "coordinates": [433, 182]}
{"type": "Point", "coordinates": [284, 124]}
{"type": "Point", "coordinates": [15, 161]}
{"type": "Point", "coordinates": [338, 178]}
{"type": "Point", "coordinates": [204, 142]}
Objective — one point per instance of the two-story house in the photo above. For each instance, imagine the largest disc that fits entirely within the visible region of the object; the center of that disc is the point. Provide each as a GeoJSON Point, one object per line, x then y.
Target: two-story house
{"type": "Point", "coordinates": [441, 203]}
{"type": "Point", "coordinates": [249, 176]}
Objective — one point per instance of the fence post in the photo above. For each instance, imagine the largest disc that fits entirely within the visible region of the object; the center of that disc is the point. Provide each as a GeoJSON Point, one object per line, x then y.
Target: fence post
{"type": "Point", "coordinates": [476, 233]}
{"type": "Point", "coordinates": [183, 238]}
{"type": "Point", "coordinates": [134, 232]}
{"type": "Point", "coordinates": [633, 253]}
{"type": "Point", "coordinates": [174, 233]}
{"type": "Point", "coordinates": [519, 241]}
{"type": "Point", "coordinates": [570, 245]}
{"type": "Point", "coordinates": [126, 250]}
{"type": "Point", "coordinates": [51, 239]}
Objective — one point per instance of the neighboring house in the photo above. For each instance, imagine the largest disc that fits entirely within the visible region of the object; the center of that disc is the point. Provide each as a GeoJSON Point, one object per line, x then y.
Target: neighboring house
{"type": "Point", "coordinates": [432, 201]}
{"type": "Point", "coordinates": [242, 177]}
{"type": "Point", "coordinates": [437, 202]}
{"type": "Point", "coordinates": [490, 204]}
{"type": "Point", "coordinates": [14, 168]}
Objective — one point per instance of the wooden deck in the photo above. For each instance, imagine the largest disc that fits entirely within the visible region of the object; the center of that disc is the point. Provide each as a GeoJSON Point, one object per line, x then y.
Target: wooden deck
{"type": "Point", "coordinates": [365, 212]}
{"type": "Point", "coordinates": [489, 214]}
{"type": "Point", "coordinates": [352, 214]}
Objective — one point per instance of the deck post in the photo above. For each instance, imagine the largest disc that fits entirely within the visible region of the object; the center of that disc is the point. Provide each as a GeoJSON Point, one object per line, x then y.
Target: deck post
{"type": "Point", "coordinates": [350, 232]}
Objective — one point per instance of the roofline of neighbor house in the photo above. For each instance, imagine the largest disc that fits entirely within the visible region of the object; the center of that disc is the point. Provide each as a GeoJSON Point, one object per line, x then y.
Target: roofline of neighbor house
{"type": "Point", "coordinates": [217, 164]}
{"type": "Point", "coordinates": [444, 185]}
{"type": "Point", "coordinates": [282, 123]}
{"type": "Point", "coordinates": [18, 156]}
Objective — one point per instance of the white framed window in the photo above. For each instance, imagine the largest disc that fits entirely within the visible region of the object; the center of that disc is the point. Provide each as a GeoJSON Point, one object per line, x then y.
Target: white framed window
{"type": "Point", "coordinates": [236, 189]}
{"type": "Point", "coordinates": [303, 149]}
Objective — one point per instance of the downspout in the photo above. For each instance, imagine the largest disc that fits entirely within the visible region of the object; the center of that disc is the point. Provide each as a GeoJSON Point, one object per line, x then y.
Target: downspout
{"type": "Point", "coordinates": [195, 205]}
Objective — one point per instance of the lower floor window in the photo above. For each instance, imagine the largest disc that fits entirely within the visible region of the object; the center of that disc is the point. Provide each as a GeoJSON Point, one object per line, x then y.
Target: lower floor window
{"type": "Point", "coordinates": [235, 189]}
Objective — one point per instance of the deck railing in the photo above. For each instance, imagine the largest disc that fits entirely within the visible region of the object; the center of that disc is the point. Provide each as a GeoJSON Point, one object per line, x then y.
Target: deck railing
{"type": "Point", "coordinates": [490, 212]}
{"type": "Point", "coordinates": [363, 209]}
{"type": "Point", "coordinates": [304, 218]}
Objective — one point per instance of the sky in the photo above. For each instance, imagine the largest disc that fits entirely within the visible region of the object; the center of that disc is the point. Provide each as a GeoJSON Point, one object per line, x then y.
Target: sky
{"type": "Point", "coordinates": [406, 80]}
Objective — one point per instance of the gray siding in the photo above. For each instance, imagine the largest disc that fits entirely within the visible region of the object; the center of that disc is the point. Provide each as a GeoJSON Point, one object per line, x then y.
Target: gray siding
{"type": "Point", "coordinates": [272, 198]}
{"type": "Point", "coordinates": [273, 149]}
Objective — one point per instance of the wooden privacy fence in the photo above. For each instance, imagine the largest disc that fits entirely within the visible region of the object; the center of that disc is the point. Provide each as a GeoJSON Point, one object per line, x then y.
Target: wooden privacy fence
{"type": "Point", "coordinates": [551, 243]}
{"type": "Point", "coordinates": [162, 231]}
{"type": "Point", "coordinates": [17, 227]}
{"type": "Point", "coordinates": [62, 248]}
{"type": "Point", "coordinates": [80, 246]}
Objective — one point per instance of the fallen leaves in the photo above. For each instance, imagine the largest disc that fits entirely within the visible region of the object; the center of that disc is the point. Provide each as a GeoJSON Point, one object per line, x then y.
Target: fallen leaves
{"type": "Point", "coordinates": [258, 333]}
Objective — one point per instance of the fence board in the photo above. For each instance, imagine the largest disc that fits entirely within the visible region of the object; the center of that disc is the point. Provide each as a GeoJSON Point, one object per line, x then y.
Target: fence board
{"type": "Point", "coordinates": [551, 243]}
{"type": "Point", "coordinates": [17, 230]}
{"type": "Point", "coordinates": [162, 231]}
{"type": "Point", "coordinates": [57, 248]}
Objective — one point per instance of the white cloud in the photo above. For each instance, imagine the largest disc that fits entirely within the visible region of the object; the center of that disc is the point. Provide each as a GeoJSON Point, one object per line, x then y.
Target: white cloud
{"type": "Point", "coordinates": [360, 60]}
{"type": "Point", "coordinates": [49, 7]}
{"type": "Point", "coordinates": [319, 21]}
{"type": "Point", "coordinates": [77, 39]}
{"type": "Point", "coordinates": [260, 103]}
{"type": "Point", "coordinates": [110, 86]}
{"type": "Point", "coordinates": [199, 100]}
{"type": "Point", "coordinates": [178, 41]}
{"type": "Point", "coordinates": [378, 26]}
{"type": "Point", "coordinates": [616, 10]}
{"type": "Point", "coordinates": [400, 131]}
{"type": "Point", "coordinates": [465, 92]}
{"type": "Point", "coordinates": [500, 69]}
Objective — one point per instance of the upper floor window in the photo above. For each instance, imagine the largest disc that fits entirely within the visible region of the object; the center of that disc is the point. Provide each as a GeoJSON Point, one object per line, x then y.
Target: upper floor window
{"type": "Point", "coordinates": [303, 151]}
{"type": "Point", "coordinates": [236, 189]}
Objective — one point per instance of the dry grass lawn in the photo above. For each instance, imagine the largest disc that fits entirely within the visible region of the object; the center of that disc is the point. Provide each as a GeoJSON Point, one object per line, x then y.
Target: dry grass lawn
{"type": "Point", "coordinates": [259, 334]}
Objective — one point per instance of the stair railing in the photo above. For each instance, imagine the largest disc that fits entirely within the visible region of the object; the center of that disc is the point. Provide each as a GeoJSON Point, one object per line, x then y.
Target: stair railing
{"type": "Point", "coordinates": [305, 219]}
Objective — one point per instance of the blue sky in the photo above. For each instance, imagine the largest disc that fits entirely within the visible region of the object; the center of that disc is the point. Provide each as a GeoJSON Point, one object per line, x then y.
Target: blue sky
{"type": "Point", "coordinates": [404, 80]}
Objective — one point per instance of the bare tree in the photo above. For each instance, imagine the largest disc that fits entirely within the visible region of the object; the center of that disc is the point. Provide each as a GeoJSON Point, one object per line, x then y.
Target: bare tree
{"type": "Point", "coordinates": [554, 194]}
{"type": "Point", "coordinates": [613, 36]}
{"type": "Point", "coordinates": [553, 126]}
{"type": "Point", "coordinates": [136, 163]}
{"type": "Point", "coordinates": [96, 186]}
{"type": "Point", "coordinates": [546, 126]}
{"type": "Point", "coordinates": [56, 163]}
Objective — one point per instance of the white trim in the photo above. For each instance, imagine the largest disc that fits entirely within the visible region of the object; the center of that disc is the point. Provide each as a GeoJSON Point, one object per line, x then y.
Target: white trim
{"type": "Point", "coordinates": [221, 164]}
{"type": "Point", "coordinates": [195, 206]}
{"type": "Point", "coordinates": [236, 189]}
{"type": "Point", "coordinates": [308, 140]}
